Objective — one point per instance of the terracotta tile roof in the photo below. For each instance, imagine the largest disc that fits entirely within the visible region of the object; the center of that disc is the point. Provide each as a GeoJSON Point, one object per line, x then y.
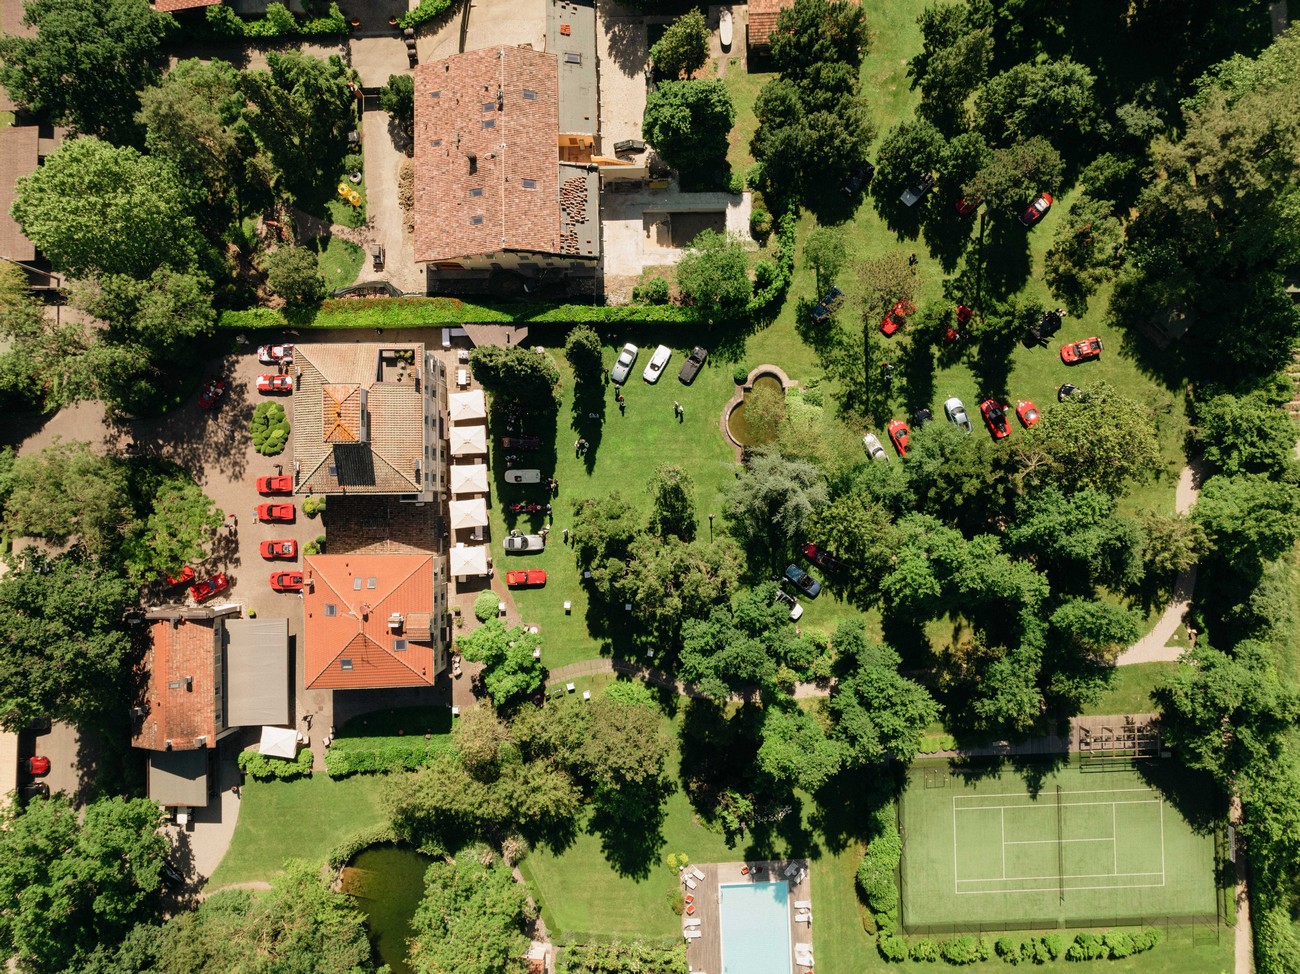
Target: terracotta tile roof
{"type": "Point", "coordinates": [167, 6]}
{"type": "Point", "coordinates": [486, 150]}
{"type": "Point", "coordinates": [367, 434]}
{"type": "Point", "coordinates": [182, 699]}
{"type": "Point", "coordinates": [762, 19]}
{"type": "Point", "coordinates": [381, 526]}
{"type": "Point", "coordinates": [11, 19]}
{"type": "Point", "coordinates": [351, 646]}
{"type": "Point", "coordinates": [19, 153]}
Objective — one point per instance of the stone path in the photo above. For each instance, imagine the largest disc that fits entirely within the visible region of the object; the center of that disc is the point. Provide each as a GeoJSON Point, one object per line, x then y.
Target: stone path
{"type": "Point", "coordinates": [1243, 948]}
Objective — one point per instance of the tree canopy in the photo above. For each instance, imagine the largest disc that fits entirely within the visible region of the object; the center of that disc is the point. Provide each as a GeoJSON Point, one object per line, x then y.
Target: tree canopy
{"type": "Point", "coordinates": [509, 669]}
{"type": "Point", "coordinates": [687, 123]}
{"type": "Point", "coordinates": [472, 917]}
{"type": "Point", "coordinates": [684, 47]}
{"type": "Point", "coordinates": [713, 274]}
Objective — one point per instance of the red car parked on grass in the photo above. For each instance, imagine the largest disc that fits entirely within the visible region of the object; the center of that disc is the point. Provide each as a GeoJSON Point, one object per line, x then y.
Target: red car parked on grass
{"type": "Point", "coordinates": [279, 549]}
{"type": "Point", "coordinates": [185, 575]}
{"type": "Point", "coordinates": [966, 207]}
{"type": "Point", "coordinates": [1037, 209]}
{"type": "Point", "coordinates": [275, 485]}
{"type": "Point", "coordinates": [275, 383]}
{"type": "Point", "coordinates": [896, 318]}
{"type": "Point", "coordinates": [286, 581]}
{"type": "Point", "coordinates": [209, 587]}
{"type": "Point", "coordinates": [283, 513]}
{"type": "Point", "coordinates": [523, 579]}
{"type": "Point", "coordinates": [995, 417]}
{"type": "Point", "coordinates": [1027, 412]}
{"type": "Point", "coordinates": [1084, 351]}
{"type": "Point", "coordinates": [898, 434]}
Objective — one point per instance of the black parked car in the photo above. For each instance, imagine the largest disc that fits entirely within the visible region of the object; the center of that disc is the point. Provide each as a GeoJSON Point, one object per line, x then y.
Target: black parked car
{"type": "Point", "coordinates": [692, 365]}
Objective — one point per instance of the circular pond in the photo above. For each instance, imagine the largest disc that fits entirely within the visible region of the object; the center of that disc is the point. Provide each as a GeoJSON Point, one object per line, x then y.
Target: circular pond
{"type": "Point", "coordinates": [738, 426]}
{"type": "Point", "coordinates": [388, 884]}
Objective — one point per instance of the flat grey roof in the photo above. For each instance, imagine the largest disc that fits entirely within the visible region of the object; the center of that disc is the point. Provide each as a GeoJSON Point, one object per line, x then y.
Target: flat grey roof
{"type": "Point", "coordinates": [571, 37]}
{"type": "Point", "coordinates": [579, 210]}
{"type": "Point", "coordinates": [257, 672]}
{"type": "Point", "coordinates": [179, 777]}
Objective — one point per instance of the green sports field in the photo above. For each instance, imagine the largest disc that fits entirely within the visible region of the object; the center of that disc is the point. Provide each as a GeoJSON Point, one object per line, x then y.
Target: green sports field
{"type": "Point", "coordinates": [1088, 849]}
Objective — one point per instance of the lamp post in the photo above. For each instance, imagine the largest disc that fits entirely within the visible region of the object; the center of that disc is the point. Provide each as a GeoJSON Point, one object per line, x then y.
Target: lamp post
{"type": "Point", "coordinates": [710, 529]}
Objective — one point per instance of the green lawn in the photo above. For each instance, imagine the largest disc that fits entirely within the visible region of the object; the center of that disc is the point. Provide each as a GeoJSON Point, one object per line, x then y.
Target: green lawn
{"type": "Point", "coordinates": [1130, 689]}
{"type": "Point", "coordinates": [340, 262]}
{"type": "Point", "coordinates": [302, 819]}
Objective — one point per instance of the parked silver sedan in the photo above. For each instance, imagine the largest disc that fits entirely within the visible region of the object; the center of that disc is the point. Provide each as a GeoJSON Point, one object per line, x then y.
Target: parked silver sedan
{"type": "Point", "coordinates": [524, 544]}
{"type": "Point", "coordinates": [956, 413]}
{"type": "Point", "coordinates": [871, 443]}
{"type": "Point", "coordinates": [623, 366]}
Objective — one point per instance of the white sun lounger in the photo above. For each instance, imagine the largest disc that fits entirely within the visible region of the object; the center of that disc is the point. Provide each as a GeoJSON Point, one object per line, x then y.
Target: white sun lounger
{"type": "Point", "coordinates": [693, 934]}
{"type": "Point", "coordinates": [803, 955]}
{"type": "Point", "coordinates": [690, 883]}
{"type": "Point", "coordinates": [697, 874]}
{"type": "Point", "coordinates": [791, 869]}
{"type": "Point", "coordinates": [803, 904]}
{"type": "Point", "coordinates": [803, 918]}
{"type": "Point", "coordinates": [692, 922]}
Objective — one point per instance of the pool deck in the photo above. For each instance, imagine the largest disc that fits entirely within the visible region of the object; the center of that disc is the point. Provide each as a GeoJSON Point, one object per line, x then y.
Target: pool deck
{"type": "Point", "coordinates": [704, 953]}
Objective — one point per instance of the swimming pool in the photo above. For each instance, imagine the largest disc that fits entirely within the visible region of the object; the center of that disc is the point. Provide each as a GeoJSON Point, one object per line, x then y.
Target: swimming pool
{"type": "Point", "coordinates": [755, 928]}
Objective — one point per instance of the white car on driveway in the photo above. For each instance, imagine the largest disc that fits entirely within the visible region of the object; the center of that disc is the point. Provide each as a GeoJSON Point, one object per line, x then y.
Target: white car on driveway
{"type": "Point", "coordinates": [956, 413]}
{"type": "Point", "coordinates": [655, 368]}
{"type": "Point", "coordinates": [623, 366]}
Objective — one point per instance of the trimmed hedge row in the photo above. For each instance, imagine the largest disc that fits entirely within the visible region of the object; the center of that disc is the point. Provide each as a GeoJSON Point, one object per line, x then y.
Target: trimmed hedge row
{"type": "Point", "coordinates": [426, 10]}
{"type": "Point", "coordinates": [346, 851]}
{"type": "Point", "coordinates": [278, 22]}
{"type": "Point", "coordinates": [968, 949]}
{"type": "Point", "coordinates": [877, 868]}
{"type": "Point", "coordinates": [621, 957]}
{"type": "Point", "coordinates": [414, 312]}
{"type": "Point", "coordinates": [263, 768]}
{"type": "Point", "coordinates": [362, 755]}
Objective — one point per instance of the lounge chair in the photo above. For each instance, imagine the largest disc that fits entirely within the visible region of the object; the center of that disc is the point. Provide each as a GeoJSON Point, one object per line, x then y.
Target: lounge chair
{"type": "Point", "coordinates": [803, 904]}
{"type": "Point", "coordinates": [791, 869]}
{"type": "Point", "coordinates": [690, 883]}
{"type": "Point", "coordinates": [803, 955]}
{"type": "Point", "coordinates": [803, 918]}
{"type": "Point", "coordinates": [693, 934]}
{"type": "Point", "coordinates": [697, 874]}
{"type": "Point", "coordinates": [692, 923]}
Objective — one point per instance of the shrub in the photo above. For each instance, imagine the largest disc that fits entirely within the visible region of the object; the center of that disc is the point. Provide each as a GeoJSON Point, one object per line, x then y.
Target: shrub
{"type": "Point", "coordinates": [654, 291]}
{"type": "Point", "coordinates": [346, 851]}
{"type": "Point", "coordinates": [892, 947]}
{"type": "Point", "coordinates": [676, 901]}
{"type": "Point", "coordinates": [427, 10]}
{"type": "Point", "coordinates": [313, 505]}
{"type": "Point", "coordinates": [1035, 949]}
{"type": "Point", "coordinates": [1120, 945]}
{"type": "Point", "coordinates": [740, 375]}
{"type": "Point", "coordinates": [754, 176]}
{"type": "Point", "coordinates": [353, 162]}
{"type": "Point", "coordinates": [760, 222]}
{"type": "Point", "coordinates": [1008, 948]}
{"type": "Point", "coordinates": [269, 429]}
{"type": "Point", "coordinates": [486, 606]}
{"type": "Point", "coordinates": [513, 849]}
{"type": "Point", "coordinates": [736, 184]}
{"type": "Point", "coordinates": [316, 547]}
{"type": "Point", "coordinates": [1087, 946]}
{"type": "Point", "coordinates": [876, 870]}
{"type": "Point", "coordinates": [960, 950]}
{"type": "Point", "coordinates": [924, 949]}
{"type": "Point", "coordinates": [264, 768]}
{"type": "Point", "coordinates": [1145, 940]}
{"type": "Point", "coordinates": [1054, 945]}
{"type": "Point", "coordinates": [293, 273]}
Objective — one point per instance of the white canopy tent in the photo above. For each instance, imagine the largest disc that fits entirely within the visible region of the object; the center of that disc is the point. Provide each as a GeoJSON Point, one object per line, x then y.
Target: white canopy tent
{"type": "Point", "coordinates": [469, 560]}
{"type": "Point", "coordinates": [468, 514]}
{"type": "Point", "coordinates": [463, 406]}
{"type": "Point", "coordinates": [468, 440]}
{"type": "Point", "coordinates": [279, 742]}
{"type": "Point", "coordinates": [469, 479]}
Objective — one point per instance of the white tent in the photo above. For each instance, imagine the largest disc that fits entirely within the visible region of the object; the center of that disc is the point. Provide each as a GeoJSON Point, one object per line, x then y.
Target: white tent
{"type": "Point", "coordinates": [468, 514]}
{"type": "Point", "coordinates": [468, 440]}
{"type": "Point", "coordinates": [279, 742]}
{"type": "Point", "coordinates": [469, 479]}
{"type": "Point", "coordinates": [469, 560]}
{"type": "Point", "coordinates": [466, 405]}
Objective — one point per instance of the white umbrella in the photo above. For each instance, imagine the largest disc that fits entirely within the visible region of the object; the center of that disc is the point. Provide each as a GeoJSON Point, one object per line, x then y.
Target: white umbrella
{"type": "Point", "coordinates": [469, 479]}
{"type": "Point", "coordinates": [466, 405]}
{"type": "Point", "coordinates": [468, 514]}
{"type": "Point", "coordinates": [279, 742]}
{"type": "Point", "coordinates": [469, 560]}
{"type": "Point", "coordinates": [468, 440]}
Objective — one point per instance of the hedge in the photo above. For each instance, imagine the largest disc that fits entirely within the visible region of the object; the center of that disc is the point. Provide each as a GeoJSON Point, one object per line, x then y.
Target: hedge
{"type": "Point", "coordinates": [364, 756]}
{"type": "Point", "coordinates": [415, 312]}
{"type": "Point", "coordinates": [427, 10]}
{"type": "Point", "coordinates": [968, 949]}
{"type": "Point", "coordinates": [278, 22]}
{"type": "Point", "coordinates": [619, 957]}
{"type": "Point", "coordinates": [346, 851]}
{"type": "Point", "coordinates": [264, 768]}
{"type": "Point", "coordinates": [876, 870]}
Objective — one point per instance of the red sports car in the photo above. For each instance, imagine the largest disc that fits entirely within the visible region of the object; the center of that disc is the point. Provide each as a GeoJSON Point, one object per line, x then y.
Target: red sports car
{"type": "Point", "coordinates": [521, 579]}
{"type": "Point", "coordinates": [209, 587]}
{"type": "Point", "coordinates": [279, 549]}
{"type": "Point", "coordinates": [966, 207]}
{"type": "Point", "coordinates": [275, 485]}
{"type": "Point", "coordinates": [186, 574]}
{"type": "Point", "coordinates": [896, 317]}
{"type": "Point", "coordinates": [898, 433]}
{"type": "Point", "coordinates": [213, 390]}
{"type": "Point", "coordinates": [275, 383]}
{"type": "Point", "coordinates": [1084, 351]}
{"type": "Point", "coordinates": [1037, 209]}
{"type": "Point", "coordinates": [283, 513]}
{"type": "Point", "coordinates": [964, 315]}
{"type": "Point", "coordinates": [286, 581]}
{"type": "Point", "coordinates": [995, 417]}
{"type": "Point", "coordinates": [1027, 412]}
{"type": "Point", "coordinates": [38, 766]}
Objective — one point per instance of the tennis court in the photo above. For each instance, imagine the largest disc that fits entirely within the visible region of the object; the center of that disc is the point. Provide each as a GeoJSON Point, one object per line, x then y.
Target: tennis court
{"type": "Point", "coordinates": [1086, 849]}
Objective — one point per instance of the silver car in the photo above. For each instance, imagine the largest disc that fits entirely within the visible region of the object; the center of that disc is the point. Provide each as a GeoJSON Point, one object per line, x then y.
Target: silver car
{"type": "Point", "coordinates": [623, 366]}
{"type": "Point", "coordinates": [524, 544]}
{"type": "Point", "coordinates": [875, 451]}
{"type": "Point", "coordinates": [956, 413]}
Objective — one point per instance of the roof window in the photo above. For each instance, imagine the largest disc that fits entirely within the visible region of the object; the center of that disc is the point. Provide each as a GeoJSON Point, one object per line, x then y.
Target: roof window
{"type": "Point", "coordinates": [345, 664]}
{"type": "Point", "coordinates": [476, 191]}
{"type": "Point", "coordinates": [356, 584]}
{"type": "Point", "coordinates": [572, 57]}
{"type": "Point", "coordinates": [489, 123]}
{"type": "Point", "coordinates": [489, 106]}
{"type": "Point", "coordinates": [436, 142]}
{"type": "Point", "coordinates": [435, 94]}
{"type": "Point", "coordinates": [399, 645]}
{"type": "Point", "coordinates": [530, 95]}
{"type": "Point", "coordinates": [475, 221]}
{"type": "Point", "coordinates": [331, 609]}
{"type": "Point", "coordinates": [371, 582]}
{"type": "Point", "coordinates": [529, 183]}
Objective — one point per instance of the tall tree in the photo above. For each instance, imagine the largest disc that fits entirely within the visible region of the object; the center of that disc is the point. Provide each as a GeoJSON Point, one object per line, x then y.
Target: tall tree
{"type": "Point", "coordinates": [293, 273]}
{"type": "Point", "coordinates": [69, 492]}
{"type": "Point", "coordinates": [908, 151]}
{"type": "Point", "coordinates": [603, 531]}
{"type": "Point", "coordinates": [1077, 539]}
{"type": "Point", "coordinates": [774, 499]}
{"type": "Point", "coordinates": [824, 253]}
{"type": "Point", "coordinates": [472, 918]}
{"type": "Point", "coordinates": [810, 33]}
{"type": "Point", "coordinates": [177, 530]}
{"type": "Point", "coordinates": [794, 750]}
{"type": "Point", "coordinates": [713, 274]}
{"type": "Point", "coordinates": [684, 47]}
{"type": "Point", "coordinates": [1249, 518]}
{"type": "Point", "coordinates": [1085, 253]}
{"type": "Point", "coordinates": [668, 581]}
{"type": "Point", "coordinates": [582, 349]}
{"type": "Point", "coordinates": [954, 62]}
{"type": "Point", "coordinates": [86, 63]}
{"type": "Point", "coordinates": [687, 122]}
{"type": "Point", "coordinates": [68, 884]}
{"type": "Point", "coordinates": [397, 98]}
{"type": "Point", "coordinates": [1052, 98]}
{"type": "Point", "coordinates": [163, 312]}
{"type": "Point", "coordinates": [672, 493]}
{"type": "Point", "coordinates": [1246, 434]}
{"type": "Point", "coordinates": [516, 373]}
{"type": "Point", "coordinates": [510, 670]}
{"type": "Point", "coordinates": [94, 208]}
{"type": "Point", "coordinates": [1012, 176]}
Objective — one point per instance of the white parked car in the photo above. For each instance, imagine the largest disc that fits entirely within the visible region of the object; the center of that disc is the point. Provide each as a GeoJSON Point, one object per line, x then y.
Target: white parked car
{"type": "Point", "coordinates": [274, 354]}
{"type": "Point", "coordinates": [956, 413]}
{"type": "Point", "coordinates": [623, 366]}
{"type": "Point", "coordinates": [520, 544]}
{"type": "Point", "coordinates": [871, 443]}
{"type": "Point", "coordinates": [655, 367]}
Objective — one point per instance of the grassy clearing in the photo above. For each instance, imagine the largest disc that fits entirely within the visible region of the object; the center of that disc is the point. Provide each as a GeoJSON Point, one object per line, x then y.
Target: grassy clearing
{"type": "Point", "coordinates": [743, 89]}
{"type": "Point", "coordinates": [302, 819]}
{"type": "Point", "coordinates": [340, 262]}
{"type": "Point", "coordinates": [1130, 689]}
